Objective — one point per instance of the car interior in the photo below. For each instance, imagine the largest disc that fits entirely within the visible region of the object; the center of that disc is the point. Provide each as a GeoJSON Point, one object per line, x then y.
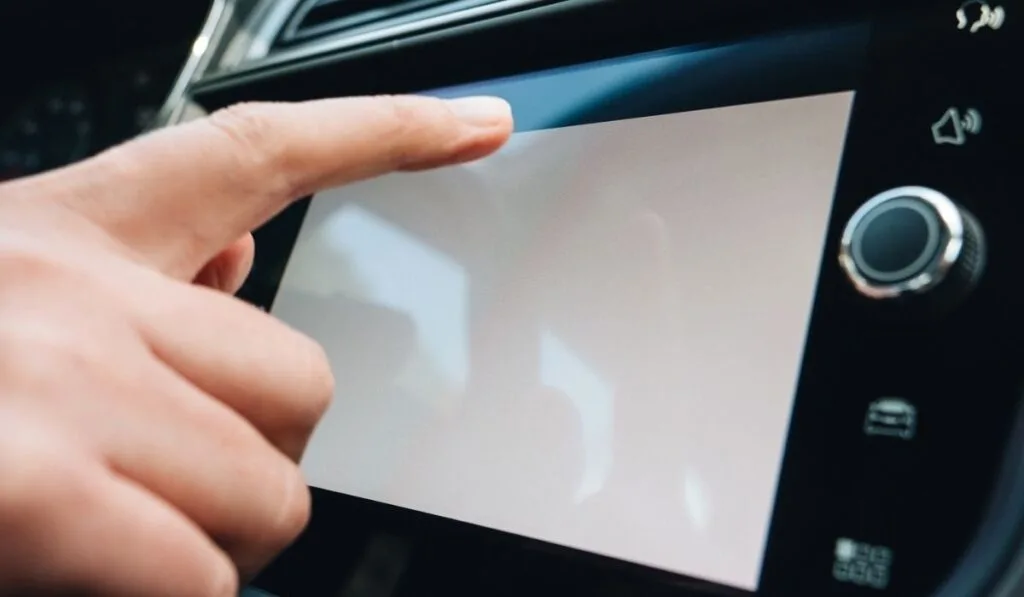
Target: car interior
{"type": "Point", "coordinates": [734, 313]}
{"type": "Point", "coordinates": [82, 76]}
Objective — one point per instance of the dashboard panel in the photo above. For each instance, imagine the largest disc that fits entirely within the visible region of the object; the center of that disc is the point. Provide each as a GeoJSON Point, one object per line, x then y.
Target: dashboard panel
{"type": "Point", "coordinates": [92, 74]}
{"type": "Point", "coordinates": [64, 120]}
{"type": "Point", "coordinates": [881, 489]}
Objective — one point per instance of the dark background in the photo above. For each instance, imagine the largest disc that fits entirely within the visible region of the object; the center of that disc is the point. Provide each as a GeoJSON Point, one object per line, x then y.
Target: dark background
{"type": "Point", "coordinates": [81, 75]}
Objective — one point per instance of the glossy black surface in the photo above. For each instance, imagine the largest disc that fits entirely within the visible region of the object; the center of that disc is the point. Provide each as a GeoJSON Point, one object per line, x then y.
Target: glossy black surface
{"type": "Point", "coordinates": [561, 32]}
{"type": "Point", "coordinates": [917, 500]}
{"type": "Point", "coordinates": [56, 122]}
{"type": "Point", "coordinates": [922, 498]}
{"type": "Point", "coordinates": [893, 239]}
{"type": "Point", "coordinates": [81, 76]}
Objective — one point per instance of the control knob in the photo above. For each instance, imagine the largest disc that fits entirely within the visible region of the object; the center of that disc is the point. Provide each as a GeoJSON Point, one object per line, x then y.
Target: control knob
{"type": "Point", "coordinates": [913, 243]}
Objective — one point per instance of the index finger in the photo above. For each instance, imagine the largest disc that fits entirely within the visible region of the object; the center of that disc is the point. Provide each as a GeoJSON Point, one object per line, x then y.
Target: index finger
{"type": "Point", "coordinates": [180, 195]}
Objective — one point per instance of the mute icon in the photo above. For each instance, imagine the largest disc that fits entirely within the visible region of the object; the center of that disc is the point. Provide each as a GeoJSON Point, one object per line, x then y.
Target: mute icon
{"type": "Point", "coordinates": [953, 128]}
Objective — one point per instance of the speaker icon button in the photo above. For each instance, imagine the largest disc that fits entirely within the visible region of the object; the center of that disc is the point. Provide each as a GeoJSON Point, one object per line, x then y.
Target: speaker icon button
{"type": "Point", "coordinates": [954, 127]}
{"type": "Point", "coordinates": [975, 15]}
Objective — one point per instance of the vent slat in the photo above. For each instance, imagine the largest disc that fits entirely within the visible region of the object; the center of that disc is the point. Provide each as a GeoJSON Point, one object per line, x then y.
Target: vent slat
{"type": "Point", "coordinates": [353, 13]}
{"type": "Point", "coordinates": [315, 19]}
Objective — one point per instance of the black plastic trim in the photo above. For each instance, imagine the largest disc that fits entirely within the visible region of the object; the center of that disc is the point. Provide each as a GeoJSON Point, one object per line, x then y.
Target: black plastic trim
{"type": "Point", "coordinates": [994, 564]}
{"type": "Point", "coordinates": [705, 18]}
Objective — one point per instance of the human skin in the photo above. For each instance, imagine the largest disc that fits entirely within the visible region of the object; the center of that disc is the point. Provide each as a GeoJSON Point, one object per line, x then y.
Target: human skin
{"type": "Point", "coordinates": [150, 423]}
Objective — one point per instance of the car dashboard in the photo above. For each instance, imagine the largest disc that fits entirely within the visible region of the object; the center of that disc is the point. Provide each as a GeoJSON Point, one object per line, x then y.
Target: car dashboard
{"type": "Point", "coordinates": [875, 420]}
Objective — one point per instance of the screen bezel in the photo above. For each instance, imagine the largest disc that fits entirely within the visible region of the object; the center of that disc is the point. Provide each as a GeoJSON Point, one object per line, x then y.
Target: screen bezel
{"type": "Point", "coordinates": [380, 70]}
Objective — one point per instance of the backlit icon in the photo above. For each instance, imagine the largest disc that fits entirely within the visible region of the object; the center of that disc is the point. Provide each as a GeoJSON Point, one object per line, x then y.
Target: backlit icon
{"type": "Point", "coordinates": [954, 127]}
{"type": "Point", "coordinates": [891, 417]}
{"type": "Point", "coordinates": [978, 14]}
{"type": "Point", "coordinates": [861, 564]}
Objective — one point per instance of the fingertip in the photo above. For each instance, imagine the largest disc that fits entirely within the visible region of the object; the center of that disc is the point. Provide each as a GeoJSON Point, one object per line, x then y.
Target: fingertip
{"type": "Point", "coordinates": [478, 146]}
{"type": "Point", "coordinates": [492, 119]}
{"type": "Point", "coordinates": [486, 112]}
{"type": "Point", "coordinates": [487, 123]}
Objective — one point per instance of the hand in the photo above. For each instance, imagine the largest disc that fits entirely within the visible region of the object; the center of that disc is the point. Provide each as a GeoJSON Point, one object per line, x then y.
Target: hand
{"type": "Point", "coordinates": [150, 423]}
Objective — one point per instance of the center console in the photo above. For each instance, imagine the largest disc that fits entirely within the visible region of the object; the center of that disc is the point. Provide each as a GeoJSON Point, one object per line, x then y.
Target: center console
{"type": "Point", "coordinates": [736, 311]}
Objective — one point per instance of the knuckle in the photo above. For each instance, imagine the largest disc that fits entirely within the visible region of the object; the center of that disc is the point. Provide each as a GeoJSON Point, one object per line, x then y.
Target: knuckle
{"type": "Point", "coordinates": [39, 477]}
{"type": "Point", "coordinates": [222, 580]}
{"type": "Point", "coordinates": [35, 350]}
{"type": "Point", "coordinates": [292, 509]}
{"type": "Point", "coordinates": [31, 359]}
{"type": "Point", "coordinates": [25, 264]}
{"type": "Point", "coordinates": [246, 124]}
{"type": "Point", "coordinates": [319, 383]}
{"type": "Point", "coordinates": [249, 127]}
{"type": "Point", "coordinates": [44, 339]}
{"type": "Point", "coordinates": [398, 111]}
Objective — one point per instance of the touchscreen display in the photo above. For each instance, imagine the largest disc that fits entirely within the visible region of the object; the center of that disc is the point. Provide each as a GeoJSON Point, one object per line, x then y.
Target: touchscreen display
{"type": "Point", "coordinates": [593, 337]}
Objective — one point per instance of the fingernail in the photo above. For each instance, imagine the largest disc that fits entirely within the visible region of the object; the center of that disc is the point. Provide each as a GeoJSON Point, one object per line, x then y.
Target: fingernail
{"type": "Point", "coordinates": [481, 111]}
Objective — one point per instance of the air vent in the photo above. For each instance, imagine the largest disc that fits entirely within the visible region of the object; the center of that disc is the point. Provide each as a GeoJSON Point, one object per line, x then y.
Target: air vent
{"type": "Point", "coordinates": [315, 19]}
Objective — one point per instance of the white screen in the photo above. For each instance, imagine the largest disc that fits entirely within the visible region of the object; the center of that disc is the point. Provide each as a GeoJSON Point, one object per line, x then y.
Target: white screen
{"type": "Point", "coordinates": [592, 338]}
